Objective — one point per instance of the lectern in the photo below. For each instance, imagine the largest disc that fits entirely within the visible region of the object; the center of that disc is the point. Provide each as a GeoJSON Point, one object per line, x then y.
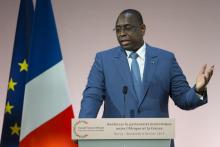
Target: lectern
{"type": "Point", "coordinates": [123, 132]}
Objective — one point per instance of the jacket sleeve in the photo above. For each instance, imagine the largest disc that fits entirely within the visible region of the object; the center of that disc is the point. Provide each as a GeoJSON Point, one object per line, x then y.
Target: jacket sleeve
{"type": "Point", "coordinates": [183, 96]}
{"type": "Point", "coordinates": [93, 94]}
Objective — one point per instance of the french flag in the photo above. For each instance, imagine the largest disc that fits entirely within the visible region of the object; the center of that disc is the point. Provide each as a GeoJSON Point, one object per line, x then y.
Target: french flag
{"type": "Point", "coordinates": [47, 110]}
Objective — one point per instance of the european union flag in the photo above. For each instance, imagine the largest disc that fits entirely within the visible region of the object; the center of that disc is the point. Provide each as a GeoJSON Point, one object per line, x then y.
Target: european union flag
{"type": "Point", "coordinates": [17, 78]}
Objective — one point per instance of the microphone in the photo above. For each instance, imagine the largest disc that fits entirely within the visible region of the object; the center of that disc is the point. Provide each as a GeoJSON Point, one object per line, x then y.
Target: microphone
{"type": "Point", "coordinates": [124, 91]}
{"type": "Point", "coordinates": [132, 114]}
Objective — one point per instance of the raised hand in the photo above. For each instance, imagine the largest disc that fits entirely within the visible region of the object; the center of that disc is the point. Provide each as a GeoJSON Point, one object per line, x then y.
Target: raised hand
{"type": "Point", "coordinates": [203, 78]}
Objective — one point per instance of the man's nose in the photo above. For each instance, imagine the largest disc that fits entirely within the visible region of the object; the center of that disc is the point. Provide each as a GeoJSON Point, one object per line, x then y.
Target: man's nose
{"type": "Point", "coordinates": [122, 32]}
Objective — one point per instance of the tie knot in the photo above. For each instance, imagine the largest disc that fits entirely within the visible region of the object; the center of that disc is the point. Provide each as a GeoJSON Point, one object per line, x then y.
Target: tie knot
{"type": "Point", "coordinates": [133, 55]}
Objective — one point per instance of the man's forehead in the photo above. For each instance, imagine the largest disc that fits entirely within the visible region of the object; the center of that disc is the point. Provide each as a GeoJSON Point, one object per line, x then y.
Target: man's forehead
{"type": "Point", "coordinates": [126, 18]}
{"type": "Point", "coordinates": [127, 14]}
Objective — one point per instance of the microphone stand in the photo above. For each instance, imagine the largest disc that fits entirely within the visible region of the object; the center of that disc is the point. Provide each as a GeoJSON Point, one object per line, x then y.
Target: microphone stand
{"type": "Point", "coordinates": [124, 91]}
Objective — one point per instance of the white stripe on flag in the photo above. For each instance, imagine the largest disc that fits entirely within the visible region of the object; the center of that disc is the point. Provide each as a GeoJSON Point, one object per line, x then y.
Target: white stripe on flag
{"type": "Point", "coordinates": [45, 96]}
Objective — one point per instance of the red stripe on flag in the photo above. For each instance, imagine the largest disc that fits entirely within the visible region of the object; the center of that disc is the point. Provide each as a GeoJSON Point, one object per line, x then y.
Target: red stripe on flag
{"type": "Point", "coordinates": [54, 133]}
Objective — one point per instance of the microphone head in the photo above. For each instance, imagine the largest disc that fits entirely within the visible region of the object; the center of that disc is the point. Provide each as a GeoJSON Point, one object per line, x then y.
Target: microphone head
{"type": "Point", "coordinates": [132, 114]}
{"type": "Point", "coordinates": [125, 89]}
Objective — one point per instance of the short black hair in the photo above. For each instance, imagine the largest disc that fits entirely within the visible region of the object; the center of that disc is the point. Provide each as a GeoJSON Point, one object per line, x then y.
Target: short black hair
{"type": "Point", "coordinates": [134, 12]}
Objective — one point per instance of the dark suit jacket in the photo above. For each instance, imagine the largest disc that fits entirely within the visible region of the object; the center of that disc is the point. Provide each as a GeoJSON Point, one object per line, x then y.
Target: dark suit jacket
{"type": "Point", "coordinates": [162, 78]}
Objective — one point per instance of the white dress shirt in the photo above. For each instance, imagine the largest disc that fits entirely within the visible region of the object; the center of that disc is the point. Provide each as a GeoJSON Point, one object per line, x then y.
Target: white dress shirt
{"type": "Point", "coordinates": [140, 59]}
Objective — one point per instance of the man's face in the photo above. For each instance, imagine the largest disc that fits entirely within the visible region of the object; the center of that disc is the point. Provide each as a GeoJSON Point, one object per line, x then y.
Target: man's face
{"type": "Point", "coordinates": [129, 32]}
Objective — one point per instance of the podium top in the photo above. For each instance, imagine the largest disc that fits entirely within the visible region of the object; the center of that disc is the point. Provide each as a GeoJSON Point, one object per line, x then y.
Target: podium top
{"type": "Point", "coordinates": [123, 128]}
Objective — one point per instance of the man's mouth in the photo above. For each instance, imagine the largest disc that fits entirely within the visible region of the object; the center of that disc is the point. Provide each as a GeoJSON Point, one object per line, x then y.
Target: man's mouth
{"type": "Point", "coordinates": [125, 42]}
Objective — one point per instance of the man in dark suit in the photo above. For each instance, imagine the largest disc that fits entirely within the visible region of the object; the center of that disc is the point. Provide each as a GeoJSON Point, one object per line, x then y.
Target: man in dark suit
{"type": "Point", "coordinates": [136, 79]}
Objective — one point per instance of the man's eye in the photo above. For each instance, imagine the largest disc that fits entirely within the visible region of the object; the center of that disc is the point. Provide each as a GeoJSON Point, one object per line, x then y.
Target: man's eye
{"type": "Point", "coordinates": [118, 29]}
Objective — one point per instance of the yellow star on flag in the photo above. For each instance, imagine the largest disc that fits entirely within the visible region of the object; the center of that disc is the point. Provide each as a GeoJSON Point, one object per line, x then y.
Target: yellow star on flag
{"type": "Point", "coordinates": [8, 108]}
{"type": "Point", "coordinates": [23, 66]}
{"type": "Point", "coordinates": [15, 129]}
{"type": "Point", "coordinates": [11, 85]}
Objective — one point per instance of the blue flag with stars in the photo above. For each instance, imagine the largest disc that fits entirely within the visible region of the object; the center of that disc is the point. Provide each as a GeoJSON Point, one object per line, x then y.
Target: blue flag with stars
{"type": "Point", "coordinates": [17, 78]}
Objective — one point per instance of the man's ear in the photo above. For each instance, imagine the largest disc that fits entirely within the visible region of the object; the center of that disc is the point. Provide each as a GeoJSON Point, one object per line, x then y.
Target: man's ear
{"type": "Point", "coordinates": [143, 28]}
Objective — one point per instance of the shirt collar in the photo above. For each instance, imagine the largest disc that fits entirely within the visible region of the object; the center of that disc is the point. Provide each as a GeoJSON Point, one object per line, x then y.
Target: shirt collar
{"type": "Point", "coordinates": [141, 51]}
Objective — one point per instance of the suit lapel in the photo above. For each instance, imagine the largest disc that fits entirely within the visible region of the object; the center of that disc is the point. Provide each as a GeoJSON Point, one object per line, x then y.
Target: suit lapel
{"type": "Point", "coordinates": [151, 60]}
{"type": "Point", "coordinates": [122, 66]}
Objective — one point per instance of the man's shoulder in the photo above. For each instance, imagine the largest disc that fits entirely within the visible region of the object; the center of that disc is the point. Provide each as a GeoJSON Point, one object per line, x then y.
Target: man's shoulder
{"type": "Point", "coordinates": [110, 52]}
{"type": "Point", "coordinates": [159, 51]}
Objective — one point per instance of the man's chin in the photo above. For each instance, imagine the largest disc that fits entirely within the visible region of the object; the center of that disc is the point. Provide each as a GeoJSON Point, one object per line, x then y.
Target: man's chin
{"type": "Point", "coordinates": [127, 47]}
